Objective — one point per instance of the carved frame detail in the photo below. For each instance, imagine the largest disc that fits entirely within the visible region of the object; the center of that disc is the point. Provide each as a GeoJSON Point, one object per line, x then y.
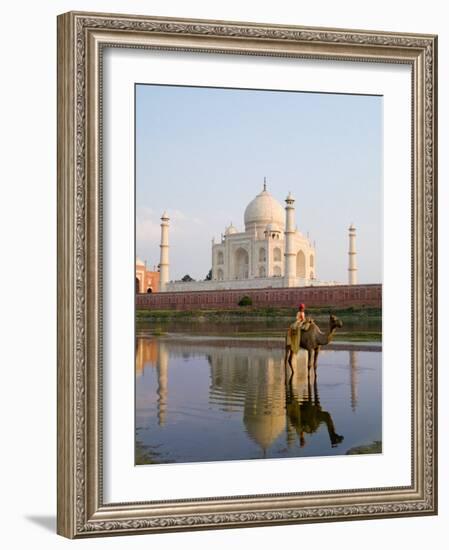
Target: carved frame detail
{"type": "Point", "coordinates": [81, 39]}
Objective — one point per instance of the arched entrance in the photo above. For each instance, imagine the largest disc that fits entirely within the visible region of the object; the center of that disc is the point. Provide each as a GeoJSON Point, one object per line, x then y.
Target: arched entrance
{"type": "Point", "coordinates": [241, 264]}
{"type": "Point", "coordinates": [137, 286]}
{"type": "Point", "coordinates": [149, 290]}
{"type": "Point", "coordinates": [301, 264]}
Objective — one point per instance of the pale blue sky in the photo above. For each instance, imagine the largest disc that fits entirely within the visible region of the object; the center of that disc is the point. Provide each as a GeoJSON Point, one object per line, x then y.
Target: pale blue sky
{"type": "Point", "coordinates": [202, 154]}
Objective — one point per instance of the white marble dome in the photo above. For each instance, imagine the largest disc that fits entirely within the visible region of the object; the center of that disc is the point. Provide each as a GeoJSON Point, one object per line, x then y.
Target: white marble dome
{"type": "Point", "coordinates": [139, 262]}
{"type": "Point", "coordinates": [264, 209]}
{"type": "Point", "coordinates": [231, 230]}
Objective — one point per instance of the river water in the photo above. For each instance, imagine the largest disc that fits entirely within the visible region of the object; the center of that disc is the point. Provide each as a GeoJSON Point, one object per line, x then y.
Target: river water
{"type": "Point", "coordinates": [206, 396]}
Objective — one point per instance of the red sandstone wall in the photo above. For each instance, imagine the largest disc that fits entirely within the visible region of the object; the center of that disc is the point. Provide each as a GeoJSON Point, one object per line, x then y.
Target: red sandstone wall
{"type": "Point", "coordinates": [152, 280]}
{"type": "Point", "coordinates": [336, 296]}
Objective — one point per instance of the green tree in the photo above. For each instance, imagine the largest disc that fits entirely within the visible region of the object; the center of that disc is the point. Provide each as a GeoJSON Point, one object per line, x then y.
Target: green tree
{"type": "Point", "coordinates": [245, 301]}
{"type": "Point", "coordinates": [209, 275]}
{"type": "Point", "coordinates": [187, 278]}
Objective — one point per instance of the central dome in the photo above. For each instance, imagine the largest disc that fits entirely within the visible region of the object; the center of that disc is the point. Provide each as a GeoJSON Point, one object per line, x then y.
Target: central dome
{"type": "Point", "coordinates": [263, 210]}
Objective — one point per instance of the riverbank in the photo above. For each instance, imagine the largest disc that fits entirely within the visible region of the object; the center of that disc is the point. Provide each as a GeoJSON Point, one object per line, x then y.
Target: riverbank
{"type": "Point", "coordinates": [359, 324]}
{"type": "Point", "coordinates": [373, 448]}
{"type": "Point", "coordinates": [351, 314]}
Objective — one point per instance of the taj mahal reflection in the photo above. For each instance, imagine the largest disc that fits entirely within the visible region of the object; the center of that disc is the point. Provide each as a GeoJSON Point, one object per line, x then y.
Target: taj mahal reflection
{"type": "Point", "coordinates": [247, 383]}
{"type": "Point", "coordinates": [254, 383]}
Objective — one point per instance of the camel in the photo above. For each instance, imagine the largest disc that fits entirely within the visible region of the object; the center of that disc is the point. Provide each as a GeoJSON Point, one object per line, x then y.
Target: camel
{"type": "Point", "coordinates": [311, 340]}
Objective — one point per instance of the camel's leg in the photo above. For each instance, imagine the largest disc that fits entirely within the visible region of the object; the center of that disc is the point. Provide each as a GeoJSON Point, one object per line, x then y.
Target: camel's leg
{"type": "Point", "coordinates": [310, 353]}
{"type": "Point", "coordinates": [315, 360]}
{"type": "Point", "coordinates": [288, 354]}
{"type": "Point", "coordinates": [290, 357]}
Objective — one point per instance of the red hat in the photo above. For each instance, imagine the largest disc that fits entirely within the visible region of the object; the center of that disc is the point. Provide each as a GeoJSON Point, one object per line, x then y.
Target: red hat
{"type": "Point", "coordinates": [302, 306]}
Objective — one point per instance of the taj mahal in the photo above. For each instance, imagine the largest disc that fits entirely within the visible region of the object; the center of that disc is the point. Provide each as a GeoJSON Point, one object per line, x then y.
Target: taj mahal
{"type": "Point", "coordinates": [270, 246]}
{"type": "Point", "coordinates": [270, 252]}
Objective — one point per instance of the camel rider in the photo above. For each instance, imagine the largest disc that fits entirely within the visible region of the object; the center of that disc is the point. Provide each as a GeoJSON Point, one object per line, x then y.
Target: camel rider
{"type": "Point", "coordinates": [301, 315]}
{"type": "Point", "coordinates": [294, 331]}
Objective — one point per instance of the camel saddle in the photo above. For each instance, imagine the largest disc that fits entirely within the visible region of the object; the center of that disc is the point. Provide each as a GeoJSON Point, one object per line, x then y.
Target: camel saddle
{"type": "Point", "coordinates": [305, 326]}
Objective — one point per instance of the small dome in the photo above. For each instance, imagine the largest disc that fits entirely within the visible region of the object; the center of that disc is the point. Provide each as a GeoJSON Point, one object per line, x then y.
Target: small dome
{"type": "Point", "coordinates": [139, 262]}
{"type": "Point", "coordinates": [263, 210]}
{"type": "Point", "coordinates": [231, 229]}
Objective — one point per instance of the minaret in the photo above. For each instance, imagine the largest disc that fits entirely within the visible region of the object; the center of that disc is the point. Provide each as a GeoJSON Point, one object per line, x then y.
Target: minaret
{"type": "Point", "coordinates": [352, 267]}
{"type": "Point", "coordinates": [289, 254]}
{"type": "Point", "coordinates": [164, 264]}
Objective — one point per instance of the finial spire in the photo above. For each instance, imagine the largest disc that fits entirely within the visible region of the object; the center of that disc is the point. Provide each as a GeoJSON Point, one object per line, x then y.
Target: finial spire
{"type": "Point", "coordinates": [264, 183]}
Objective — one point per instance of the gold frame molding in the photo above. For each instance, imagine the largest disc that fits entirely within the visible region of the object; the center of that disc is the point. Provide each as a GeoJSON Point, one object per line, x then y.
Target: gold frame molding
{"type": "Point", "coordinates": [81, 39]}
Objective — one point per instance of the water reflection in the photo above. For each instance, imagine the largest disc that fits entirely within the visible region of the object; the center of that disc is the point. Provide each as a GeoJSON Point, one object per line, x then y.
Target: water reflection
{"type": "Point", "coordinates": [305, 414]}
{"type": "Point", "coordinates": [224, 399]}
{"type": "Point", "coordinates": [353, 362]}
{"type": "Point", "coordinates": [151, 352]}
{"type": "Point", "coordinates": [252, 382]}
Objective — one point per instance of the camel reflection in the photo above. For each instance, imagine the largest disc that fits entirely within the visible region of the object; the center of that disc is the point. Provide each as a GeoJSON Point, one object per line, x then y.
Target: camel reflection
{"type": "Point", "coordinates": [304, 412]}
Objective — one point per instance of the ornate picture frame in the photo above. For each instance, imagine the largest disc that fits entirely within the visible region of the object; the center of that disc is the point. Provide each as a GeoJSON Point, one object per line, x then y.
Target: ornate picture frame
{"type": "Point", "coordinates": [82, 38]}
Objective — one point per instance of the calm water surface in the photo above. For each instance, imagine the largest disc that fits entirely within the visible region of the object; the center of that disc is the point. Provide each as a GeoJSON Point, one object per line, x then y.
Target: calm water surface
{"type": "Point", "coordinates": [210, 397]}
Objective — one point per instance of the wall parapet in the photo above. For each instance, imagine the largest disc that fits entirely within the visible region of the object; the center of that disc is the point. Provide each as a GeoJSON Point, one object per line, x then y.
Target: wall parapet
{"type": "Point", "coordinates": [369, 295]}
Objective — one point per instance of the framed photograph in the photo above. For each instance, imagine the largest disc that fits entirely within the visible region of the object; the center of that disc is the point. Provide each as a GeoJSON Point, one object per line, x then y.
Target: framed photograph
{"type": "Point", "coordinates": [246, 274]}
